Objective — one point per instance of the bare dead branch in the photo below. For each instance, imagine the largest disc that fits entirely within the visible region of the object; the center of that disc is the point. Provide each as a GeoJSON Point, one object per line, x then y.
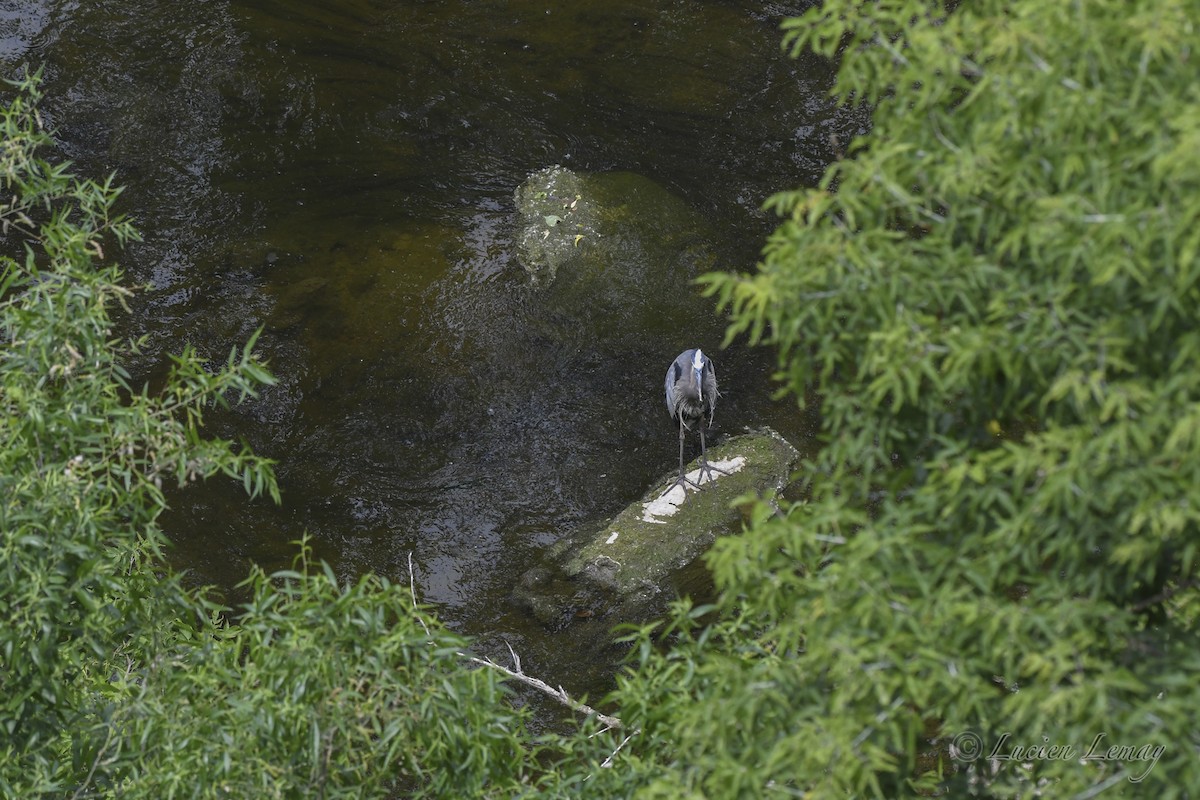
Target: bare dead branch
{"type": "Point", "coordinates": [608, 762]}
{"type": "Point", "coordinates": [560, 694]}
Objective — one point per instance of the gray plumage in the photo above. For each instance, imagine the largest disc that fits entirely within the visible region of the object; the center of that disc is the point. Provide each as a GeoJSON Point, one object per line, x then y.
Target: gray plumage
{"type": "Point", "coordinates": [691, 393]}
{"type": "Point", "coordinates": [691, 390]}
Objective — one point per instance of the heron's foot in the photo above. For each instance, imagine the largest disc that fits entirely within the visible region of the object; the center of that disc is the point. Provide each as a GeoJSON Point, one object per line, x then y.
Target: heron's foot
{"type": "Point", "coordinates": [683, 481]}
{"type": "Point", "coordinates": [707, 469]}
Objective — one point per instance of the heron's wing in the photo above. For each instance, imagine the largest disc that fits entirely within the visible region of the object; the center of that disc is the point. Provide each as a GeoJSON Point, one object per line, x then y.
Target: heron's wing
{"type": "Point", "coordinates": [673, 374]}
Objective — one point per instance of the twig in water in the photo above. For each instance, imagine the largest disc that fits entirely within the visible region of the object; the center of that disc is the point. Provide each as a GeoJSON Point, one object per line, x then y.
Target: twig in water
{"type": "Point", "coordinates": [412, 589]}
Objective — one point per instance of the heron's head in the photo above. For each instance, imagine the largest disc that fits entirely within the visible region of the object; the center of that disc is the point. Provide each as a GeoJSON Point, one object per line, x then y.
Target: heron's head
{"type": "Point", "coordinates": [698, 364]}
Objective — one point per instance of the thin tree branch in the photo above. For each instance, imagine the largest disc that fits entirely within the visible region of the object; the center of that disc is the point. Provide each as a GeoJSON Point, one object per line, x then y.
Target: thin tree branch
{"type": "Point", "coordinates": [559, 694]}
{"type": "Point", "coordinates": [608, 762]}
{"type": "Point", "coordinates": [412, 589]}
{"type": "Point", "coordinates": [1165, 594]}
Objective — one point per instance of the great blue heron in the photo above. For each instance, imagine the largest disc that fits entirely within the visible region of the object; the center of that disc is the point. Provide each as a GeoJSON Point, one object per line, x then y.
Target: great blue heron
{"type": "Point", "coordinates": [691, 388]}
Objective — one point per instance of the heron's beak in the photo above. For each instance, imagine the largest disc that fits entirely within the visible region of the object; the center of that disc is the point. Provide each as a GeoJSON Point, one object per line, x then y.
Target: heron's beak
{"type": "Point", "coordinates": [699, 384]}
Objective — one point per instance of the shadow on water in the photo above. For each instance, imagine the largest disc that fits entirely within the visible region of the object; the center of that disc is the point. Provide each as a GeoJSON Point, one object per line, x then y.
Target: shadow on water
{"type": "Point", "coordinates": [342, 175]}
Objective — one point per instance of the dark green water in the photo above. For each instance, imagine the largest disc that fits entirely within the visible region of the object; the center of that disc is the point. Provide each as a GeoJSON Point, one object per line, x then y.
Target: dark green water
{"type": "Point", "coordinates": [341, 174]}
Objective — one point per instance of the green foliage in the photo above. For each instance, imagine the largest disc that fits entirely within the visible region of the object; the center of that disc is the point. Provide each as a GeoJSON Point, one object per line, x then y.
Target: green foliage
{"type": "Point", "coordinates": [115, 681]}
{"type": "Point", "coordinates": [81, 469]}
{"type": "Point", "coordinates": [317, 691]}
{"type": "Point", "coordinates": [992, 301]}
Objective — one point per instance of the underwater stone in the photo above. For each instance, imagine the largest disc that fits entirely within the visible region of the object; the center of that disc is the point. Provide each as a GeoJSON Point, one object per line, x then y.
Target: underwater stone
{"type": "Point", "coordinates": [559, 221]}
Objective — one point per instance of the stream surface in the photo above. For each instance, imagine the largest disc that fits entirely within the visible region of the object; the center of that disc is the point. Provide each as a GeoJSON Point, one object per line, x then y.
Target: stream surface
{"type": "Point", "coordinates": [341, 174]}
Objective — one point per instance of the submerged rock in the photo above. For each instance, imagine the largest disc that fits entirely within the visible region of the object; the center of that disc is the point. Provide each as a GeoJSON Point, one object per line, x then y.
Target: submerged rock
{"type": "Point", "coordinates": [558, 214]}
{"type": "Point", "coordinates": [620, 571]}
{"type": "Point", "coordinates": [590, 234]}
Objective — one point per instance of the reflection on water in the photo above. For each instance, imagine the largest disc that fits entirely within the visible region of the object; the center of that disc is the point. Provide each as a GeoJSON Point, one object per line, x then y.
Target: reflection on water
{"type": "Point", "coordinates": [342, 176]}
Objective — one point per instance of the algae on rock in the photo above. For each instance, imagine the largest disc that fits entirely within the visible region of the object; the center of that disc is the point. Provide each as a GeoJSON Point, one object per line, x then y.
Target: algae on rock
{"type": "Point", "coordinates": [619, 570]}
{"type": "Point", "coordinates": [559, 215]}
{"type": "Point", "coordinates": [613, 231]}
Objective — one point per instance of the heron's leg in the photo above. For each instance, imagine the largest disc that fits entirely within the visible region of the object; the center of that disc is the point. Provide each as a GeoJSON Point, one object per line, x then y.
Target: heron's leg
{"type": "Point", "coordinates": [705, 467]}
{"type": "Point", "coordinates": [683, 480]}
{"type": "Point", "coordinates": [681, 435]}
